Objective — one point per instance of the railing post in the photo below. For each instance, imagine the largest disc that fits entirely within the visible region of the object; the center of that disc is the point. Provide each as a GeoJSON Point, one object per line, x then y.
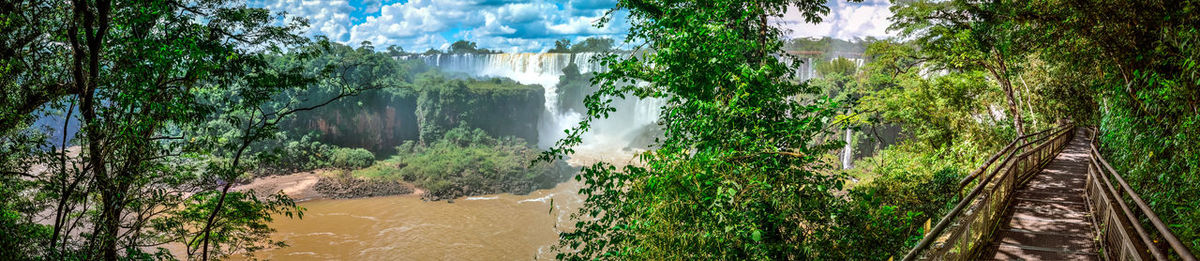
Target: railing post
{"type": "Point", "coordinates": [976, 215]}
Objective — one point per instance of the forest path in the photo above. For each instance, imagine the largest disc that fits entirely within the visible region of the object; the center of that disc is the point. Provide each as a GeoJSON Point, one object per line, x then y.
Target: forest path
{"type": "Point", "coordinates": [1049, 218]}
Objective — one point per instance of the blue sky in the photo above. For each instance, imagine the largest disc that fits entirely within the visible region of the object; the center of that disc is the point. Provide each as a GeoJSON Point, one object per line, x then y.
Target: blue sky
{"type": "Point", "coordinates": [518, 25]}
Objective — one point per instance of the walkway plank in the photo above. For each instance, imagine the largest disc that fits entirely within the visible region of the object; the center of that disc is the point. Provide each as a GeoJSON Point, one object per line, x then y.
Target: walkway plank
{"type": "Point", "coordinates": [1048, 218]}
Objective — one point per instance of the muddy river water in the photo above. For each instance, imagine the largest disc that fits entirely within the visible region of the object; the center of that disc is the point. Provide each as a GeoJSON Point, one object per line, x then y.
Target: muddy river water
{"type": "Point", "coordinates": [491, 227]}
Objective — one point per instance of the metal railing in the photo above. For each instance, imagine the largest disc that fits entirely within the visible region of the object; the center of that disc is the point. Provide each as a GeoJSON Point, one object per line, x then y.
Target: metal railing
{"type": "Point", "coordinates": [1122, 236]}
{"type": "Point", "coordinates": [960, 234]}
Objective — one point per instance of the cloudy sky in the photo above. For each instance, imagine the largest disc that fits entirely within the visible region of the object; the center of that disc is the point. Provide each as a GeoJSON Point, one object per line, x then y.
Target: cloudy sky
{"type": "Point", "coordinates": [518, 25]}
{"type": "Point", "coordinates": [845, 20]}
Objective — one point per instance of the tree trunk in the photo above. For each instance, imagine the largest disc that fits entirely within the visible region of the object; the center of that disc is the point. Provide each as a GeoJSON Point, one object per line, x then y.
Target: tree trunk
{"type": "Point", "coordinates": [212, 217]}
{"type": "Point", "coordinates": [1000, 71]}
{"type": "Point", "coordinates": [1012, 107]}
{"type": "Point", "coordinates": [59, 216]}
{"type": "Point", "coordinates": [237, 159]}
{"type": "Point", "coordinates": [95, 28]}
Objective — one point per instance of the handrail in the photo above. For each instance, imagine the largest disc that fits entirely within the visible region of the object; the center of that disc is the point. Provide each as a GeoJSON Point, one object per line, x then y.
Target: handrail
{"type": "Point", "coordinates": [971, 177]}
{"type": "Point", "coordinates": [1100, 165]}
{"type": "Point", "coordinates": [1008, 162]}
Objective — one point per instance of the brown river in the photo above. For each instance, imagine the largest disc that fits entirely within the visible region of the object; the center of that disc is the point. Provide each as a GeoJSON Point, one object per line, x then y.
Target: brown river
{"type": "Point", "coordinates": [491, 227]}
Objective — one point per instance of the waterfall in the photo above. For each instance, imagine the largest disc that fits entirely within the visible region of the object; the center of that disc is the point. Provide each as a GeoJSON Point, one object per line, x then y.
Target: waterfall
{"type": "Point", "coordinates": [847, 151]}
{"type": "Point", "coordinates": [544, 69]}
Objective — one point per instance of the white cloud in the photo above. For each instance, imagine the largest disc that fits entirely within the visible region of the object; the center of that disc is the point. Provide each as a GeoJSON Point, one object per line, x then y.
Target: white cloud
{"type": "Point", "coordinates": [325, 17]}
{"type": "Point", "coordinates": [845, 21]}
{"type": "Point", "coordinates": [414, 22]}
{"type": "Point", "coordinates": [524, 25]}
{"type": "Point", "coordinates": [371, 6]}
{"type": "Point", "coordinates": [417, 25]}
{"type": "Point", "coordinates": [581, 25]}
{"type": "Point", "coordinates": [495, 24]}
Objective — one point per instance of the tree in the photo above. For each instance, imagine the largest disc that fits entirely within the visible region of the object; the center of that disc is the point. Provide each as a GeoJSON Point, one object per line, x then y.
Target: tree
{"type": "Point", "coordinates": [966, 34]}
{"type": "Point", "coordinates": [842, 66]}
{"type": "Point", "coordinates": [463, 46]}
{"type": "Point", "coordinates": [441, 105]}
{"type": "Point", "coordinates": [253, 108]}
{"type": "Point", "coordinates": [31, 63]}
{"type": "Point", "coordinates": [592, 45]}
{"type": "Point", "coordinates": [130, 93]}
{"type": "Point", "coordinates": [140, 75]}
{"type": "Point", "coordinates": [1129, 68]}
{"type": "Point", "coordinates": [735, 175]}
{"type": "Point", "coordinates": [561, 46]}
{"type": "Point", "coordinates": [395, 50]}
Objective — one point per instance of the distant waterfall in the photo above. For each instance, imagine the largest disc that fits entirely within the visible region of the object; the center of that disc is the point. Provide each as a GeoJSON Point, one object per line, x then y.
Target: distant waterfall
{"type": "Point", "coordinates": [632, 116]}
{"type": "Point", "coordinates": [847, 151]}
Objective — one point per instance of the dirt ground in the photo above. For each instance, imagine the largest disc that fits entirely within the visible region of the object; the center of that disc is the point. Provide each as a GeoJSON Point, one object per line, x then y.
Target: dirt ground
{"type": "Point", "coordinates": [297, 185]}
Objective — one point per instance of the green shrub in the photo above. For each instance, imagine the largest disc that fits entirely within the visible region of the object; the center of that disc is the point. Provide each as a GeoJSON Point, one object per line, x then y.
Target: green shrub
{"type": "Point", "coordinates": [902, 187]}
{"type": "Point", "coordinates": [289, 154]}
{"type": "Point", "coordinates": [351, 158]}
{"type": "Point", "coordinates": [469, 162]}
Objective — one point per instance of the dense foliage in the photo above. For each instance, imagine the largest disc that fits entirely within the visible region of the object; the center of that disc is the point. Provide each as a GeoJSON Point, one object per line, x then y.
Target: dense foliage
{"type": "Point", "coordinates": [589, 45]}
{"type": "Point", "coordinates": [735, 175]}
{"type": "Point", "coordinates": [169, 99]}
{"type": "Point", "coordinates": [1127, 67]}
{"type": "Point", "coordinates": [351, 158]}
{"type": "Point", "coordinates": [164, 106]}
{"type": "Point", "coordinates": [503, 107]}
{"type": "Point", "coordinates": [465, 47]}
{"type": "Point", "coordinates": [966, 77]}
{"type": "Point", "coordinates": [1130, 67]}
{"type": "Point", "coordinates": [947, 127]}
{"type": "Point", "coordinates": [468, 162]}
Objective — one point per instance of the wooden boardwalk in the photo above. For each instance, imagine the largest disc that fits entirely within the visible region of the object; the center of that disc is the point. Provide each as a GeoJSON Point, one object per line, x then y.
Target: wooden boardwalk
{"type": "Point", "coordinates": [1048, 218]}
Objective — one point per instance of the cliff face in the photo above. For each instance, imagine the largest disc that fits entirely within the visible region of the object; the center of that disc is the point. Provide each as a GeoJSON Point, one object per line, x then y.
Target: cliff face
{"type": "Point", "coordinates": [510, 112]}
{"type": "Point", "coordinates": [375, 120]}
{"type": "Point", "coordinates": [380, 120]}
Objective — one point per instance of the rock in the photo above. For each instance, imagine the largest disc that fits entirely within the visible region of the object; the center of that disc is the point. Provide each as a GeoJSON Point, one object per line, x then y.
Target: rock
{"type": "Point", "coordinates": [358, 188]}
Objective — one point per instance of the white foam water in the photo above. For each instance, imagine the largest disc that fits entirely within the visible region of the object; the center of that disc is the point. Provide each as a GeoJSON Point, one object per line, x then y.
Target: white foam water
{"type": "Point", "coordinates": [542, 199]}
{"type": "Point", "coordinates": [482, 198]}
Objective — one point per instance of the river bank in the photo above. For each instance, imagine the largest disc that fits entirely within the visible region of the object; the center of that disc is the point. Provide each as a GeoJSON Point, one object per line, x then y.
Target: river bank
{"type": "Point", "coordinates": [341, 184]}
{"type": "Point", "coordinates": [326, 184]}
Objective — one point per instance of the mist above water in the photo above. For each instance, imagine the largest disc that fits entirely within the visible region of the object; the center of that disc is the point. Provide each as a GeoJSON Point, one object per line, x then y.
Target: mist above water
{"type": "Point", "coordinates": [633, 120]}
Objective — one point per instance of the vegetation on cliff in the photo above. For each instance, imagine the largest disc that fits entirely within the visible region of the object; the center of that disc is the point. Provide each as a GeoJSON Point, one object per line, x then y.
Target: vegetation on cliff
{"type": "Point", "coordinates": [502, 107]}
{"type": "Point", "coordinates": [572, 88]}
{"type": "Point", "coordinates": [443, 126]}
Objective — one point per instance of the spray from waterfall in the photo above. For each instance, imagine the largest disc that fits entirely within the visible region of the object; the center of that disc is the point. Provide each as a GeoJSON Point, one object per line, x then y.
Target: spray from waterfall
{"type": "Point", "coordinates": [607, 136]}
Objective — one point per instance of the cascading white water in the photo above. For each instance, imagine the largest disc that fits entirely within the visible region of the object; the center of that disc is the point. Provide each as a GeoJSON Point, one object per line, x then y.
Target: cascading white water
{"type": "Point", "coordinates": [847, 151]}
{"type": "Point", "coordinates": [811, 69]}
{"type": "Point", "coordinates": [614, 133]}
